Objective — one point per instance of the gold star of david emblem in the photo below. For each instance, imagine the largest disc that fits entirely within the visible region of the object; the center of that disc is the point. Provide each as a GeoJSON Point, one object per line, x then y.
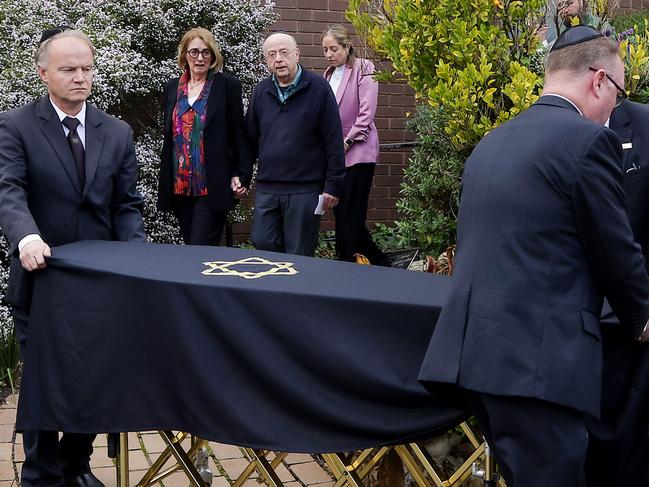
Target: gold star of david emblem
{"type": "Point", "coordinates": [226, 268]}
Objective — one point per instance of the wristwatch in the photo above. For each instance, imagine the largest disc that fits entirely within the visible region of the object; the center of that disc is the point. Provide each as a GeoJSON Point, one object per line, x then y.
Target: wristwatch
{"type": "Point", "coordinates": [349, 142]}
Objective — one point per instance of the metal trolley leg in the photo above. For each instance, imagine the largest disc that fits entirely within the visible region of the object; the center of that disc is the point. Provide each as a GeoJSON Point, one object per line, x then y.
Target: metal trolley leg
{"type": "Point", "coordinates": [489, 475]}
{"type": "Point", "coordinates": [118, 449]}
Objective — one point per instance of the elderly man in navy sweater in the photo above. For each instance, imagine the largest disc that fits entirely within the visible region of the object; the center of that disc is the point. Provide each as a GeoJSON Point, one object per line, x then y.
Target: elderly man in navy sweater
{"type": "Point", "coordinates": [295, 132]}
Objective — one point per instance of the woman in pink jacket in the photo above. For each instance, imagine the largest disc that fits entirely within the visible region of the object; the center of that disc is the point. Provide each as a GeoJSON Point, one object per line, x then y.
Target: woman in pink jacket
{"type": "Point", "coordinates": [356, 93]}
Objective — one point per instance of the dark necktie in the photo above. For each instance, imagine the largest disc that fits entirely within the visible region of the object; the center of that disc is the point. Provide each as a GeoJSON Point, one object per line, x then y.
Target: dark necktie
{"type": "Point", "coordinates": [77, 147]}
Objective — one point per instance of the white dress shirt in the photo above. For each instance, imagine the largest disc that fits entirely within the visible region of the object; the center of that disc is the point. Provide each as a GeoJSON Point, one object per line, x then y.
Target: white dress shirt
{"type": "Point", "coordinates": [81, 116]}
{"type": "Point", "coordinates": [336, 78]}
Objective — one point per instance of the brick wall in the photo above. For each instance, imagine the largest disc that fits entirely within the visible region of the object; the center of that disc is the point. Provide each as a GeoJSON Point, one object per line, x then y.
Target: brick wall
{"type": "Point", "coordinates": [629, 6]}
{"type": "Point", "coordinates": [305, 20]}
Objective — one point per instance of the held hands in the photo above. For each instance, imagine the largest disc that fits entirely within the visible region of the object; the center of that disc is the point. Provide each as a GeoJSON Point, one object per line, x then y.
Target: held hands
{"type": "Point", "coordinates": [237, 188]}
{"type": "Point", "coordinates": [329, 201]}
{"type": "Point", "coordinates": [32, 255]}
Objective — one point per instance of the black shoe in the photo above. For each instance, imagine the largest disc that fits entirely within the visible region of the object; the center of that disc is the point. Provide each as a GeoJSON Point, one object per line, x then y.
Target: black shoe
{"type": "Point", "coordinates": [85, 479]}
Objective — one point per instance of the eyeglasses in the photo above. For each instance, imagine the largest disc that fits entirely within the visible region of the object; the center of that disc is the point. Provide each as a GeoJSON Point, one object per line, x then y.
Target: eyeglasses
{"type": "Point", "coordinates": [193, 53]}
{"type": "Point", "coordinates": [282, 53]}
{"type": "Point", "coordinates": [621, 94]}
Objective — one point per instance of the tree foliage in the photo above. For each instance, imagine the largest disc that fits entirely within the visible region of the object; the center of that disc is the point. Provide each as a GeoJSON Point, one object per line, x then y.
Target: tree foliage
{"type": "Point", "coordinates": [468, 56]}
{"type": "Point", "coordinates": [431, 186]}
{"type": "Point", "coordinates": [475, 64]}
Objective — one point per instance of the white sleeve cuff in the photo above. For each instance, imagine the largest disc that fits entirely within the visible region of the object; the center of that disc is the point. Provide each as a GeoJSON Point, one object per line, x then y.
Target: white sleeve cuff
{"type": "Point", "coordinates": [28, 238]}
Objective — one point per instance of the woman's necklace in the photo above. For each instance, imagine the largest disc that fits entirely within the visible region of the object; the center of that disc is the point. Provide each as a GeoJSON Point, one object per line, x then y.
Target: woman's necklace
{"type": "Point", "coordinates": [194, 85]}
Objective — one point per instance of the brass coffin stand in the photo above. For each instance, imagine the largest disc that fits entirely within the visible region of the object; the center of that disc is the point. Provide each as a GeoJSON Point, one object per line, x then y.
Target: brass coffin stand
{"type": "Point", "coordinates": [347, 474]}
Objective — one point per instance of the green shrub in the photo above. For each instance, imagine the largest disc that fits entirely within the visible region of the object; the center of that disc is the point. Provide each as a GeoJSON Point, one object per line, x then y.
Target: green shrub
{"type": "Point", "coordinates": [388, 238]}
{"type": "Point", "coordinates": [475, 62]}
{"type": "Point", "coordinates": [431, 186]}
{"type": "Point", "coordinates": [326, 248]}
{"type": "Point", "coordinates": [468, 56]}
{"type": "Point", "coordinates": [625, 22]}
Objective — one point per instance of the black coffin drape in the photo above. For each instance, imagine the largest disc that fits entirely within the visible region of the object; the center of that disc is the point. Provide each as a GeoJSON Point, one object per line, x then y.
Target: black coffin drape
{"type": "Point", "coordinates": [133, 337]}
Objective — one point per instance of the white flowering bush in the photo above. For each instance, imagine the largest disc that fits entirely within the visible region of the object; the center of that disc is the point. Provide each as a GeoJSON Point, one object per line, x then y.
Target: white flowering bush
{"type": "Point", "coordinates": [136, 42]}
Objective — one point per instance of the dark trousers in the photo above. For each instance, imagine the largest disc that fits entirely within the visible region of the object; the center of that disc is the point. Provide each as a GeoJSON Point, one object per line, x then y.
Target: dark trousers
{"type": "Point", "coordinates": [286, 223]}
{"type": "Point", "coordinates": [352, 236]}
{"type": "Point", "coordinates": [534, 442]}
{"type": "Point", "coordinates": [47, 459]}
{"type": "Point", "coordinates": [200, 224]}
{"type": "Point", "coordinates": [618, 452]}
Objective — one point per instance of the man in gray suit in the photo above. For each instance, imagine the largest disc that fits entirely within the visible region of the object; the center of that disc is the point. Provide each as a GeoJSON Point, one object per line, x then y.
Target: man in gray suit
{"type": "Point", "coordinates": [67, 172]}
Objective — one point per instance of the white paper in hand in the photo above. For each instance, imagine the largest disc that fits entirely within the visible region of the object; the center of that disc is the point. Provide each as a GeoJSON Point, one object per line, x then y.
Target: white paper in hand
{"type": "Point", "coordinates": [319, 210]}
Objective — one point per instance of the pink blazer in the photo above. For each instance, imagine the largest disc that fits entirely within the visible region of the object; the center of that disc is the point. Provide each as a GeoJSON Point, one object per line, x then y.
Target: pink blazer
{"type": "Point", "coordinates": [357, 97]}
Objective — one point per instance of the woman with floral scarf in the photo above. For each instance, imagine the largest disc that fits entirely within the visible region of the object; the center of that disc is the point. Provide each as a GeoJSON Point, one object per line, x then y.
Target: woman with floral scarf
{"type": "Point", "coordinates": [205, 163]}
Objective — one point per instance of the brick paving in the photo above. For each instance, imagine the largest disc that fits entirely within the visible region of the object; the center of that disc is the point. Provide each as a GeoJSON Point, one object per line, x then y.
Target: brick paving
{"type": "Point", "coordinates": [225, 461]}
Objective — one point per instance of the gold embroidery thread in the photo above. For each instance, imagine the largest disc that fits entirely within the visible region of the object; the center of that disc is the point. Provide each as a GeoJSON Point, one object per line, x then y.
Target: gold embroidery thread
{"type": "Point", "coordinates": [225, 268]}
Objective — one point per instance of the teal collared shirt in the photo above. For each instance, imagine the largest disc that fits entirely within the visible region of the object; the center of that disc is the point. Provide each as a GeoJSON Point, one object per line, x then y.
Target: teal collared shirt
{"type": "Point", "coordinates": [283, 95]}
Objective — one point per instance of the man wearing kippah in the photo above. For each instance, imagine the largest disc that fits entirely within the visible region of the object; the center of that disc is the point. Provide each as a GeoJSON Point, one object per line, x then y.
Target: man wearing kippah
{"type": "Point", "coordinates": [67, 172]}
{"type": "Point", "coordinates": [542, 237]}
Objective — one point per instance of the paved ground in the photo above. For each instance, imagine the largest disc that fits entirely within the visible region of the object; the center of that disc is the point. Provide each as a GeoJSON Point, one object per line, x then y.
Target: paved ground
{"type": "Point", "coordinates": [226, 462]}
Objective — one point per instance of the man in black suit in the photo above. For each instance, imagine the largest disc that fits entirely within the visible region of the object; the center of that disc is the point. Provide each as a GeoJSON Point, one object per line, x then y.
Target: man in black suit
{"type": "Point", "coordinates": [618, 452]}
{"type": "Point", "coordinates": [55, 191]}
{"type": "Point", "coordinates": [542, 236]}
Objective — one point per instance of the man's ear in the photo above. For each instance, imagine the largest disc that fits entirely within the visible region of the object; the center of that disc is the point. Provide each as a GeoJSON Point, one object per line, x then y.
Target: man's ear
{"type": "Point", "coordinates": [297, 54]}
{"type": "Point", "coordinates": [42, 74]}
{"type": "Point", "coordinates": [598, 80]}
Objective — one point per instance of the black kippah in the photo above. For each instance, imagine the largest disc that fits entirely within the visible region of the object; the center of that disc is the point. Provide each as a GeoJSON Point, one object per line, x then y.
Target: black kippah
{"type": "Point", "coordinates": [52, 32]}
{"type": "Point", "coordinates": [576, 35]}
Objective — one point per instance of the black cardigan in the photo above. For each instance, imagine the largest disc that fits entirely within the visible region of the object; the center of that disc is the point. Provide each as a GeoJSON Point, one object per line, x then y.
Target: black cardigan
{"type": "Point", "coordinates": [226, 152]}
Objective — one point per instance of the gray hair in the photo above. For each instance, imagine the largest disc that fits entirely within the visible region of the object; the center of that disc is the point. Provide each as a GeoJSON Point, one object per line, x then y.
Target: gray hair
{"type": "Point", "coordinates": [42, 52]}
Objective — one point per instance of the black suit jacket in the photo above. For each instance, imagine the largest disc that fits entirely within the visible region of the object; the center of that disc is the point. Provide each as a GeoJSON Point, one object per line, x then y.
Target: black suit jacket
{"type": "Point", "coordinates": [225, 146]}
{"type": "Point", "coordinates": [40, 191]}
{"type": "Point", "coordinates": [542, 236]}
{"type": "Point", "coordinates": [630, 121]}
{"type": "Point", "coordinates": [619, 441]}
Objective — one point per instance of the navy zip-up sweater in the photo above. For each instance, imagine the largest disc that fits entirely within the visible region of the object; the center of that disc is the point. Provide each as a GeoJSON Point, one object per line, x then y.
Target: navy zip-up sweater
{"type": "Point", "coordinates": [298, 143]}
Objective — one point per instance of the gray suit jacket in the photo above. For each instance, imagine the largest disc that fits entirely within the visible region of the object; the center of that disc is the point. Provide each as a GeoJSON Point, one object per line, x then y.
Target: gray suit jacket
{"type": "Point", "coordinates": [40, 191]}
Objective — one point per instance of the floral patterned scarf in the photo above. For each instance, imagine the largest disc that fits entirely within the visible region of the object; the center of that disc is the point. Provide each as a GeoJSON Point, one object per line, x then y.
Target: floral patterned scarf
{"type": "Point", "coordinates": [187, 131]}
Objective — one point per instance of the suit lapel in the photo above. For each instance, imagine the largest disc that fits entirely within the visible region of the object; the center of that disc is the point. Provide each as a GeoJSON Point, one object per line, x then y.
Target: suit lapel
{"type": "Point", "coordinates": [620, 123]}
{"type": "Point", "coordinates": [215, 97]}
{"type": "Point", "coordinates": [53, 131]}
{"type": "Point", "coordinates": [343, 84]}
{"type": "Point", "coordinates": [94, 143]}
